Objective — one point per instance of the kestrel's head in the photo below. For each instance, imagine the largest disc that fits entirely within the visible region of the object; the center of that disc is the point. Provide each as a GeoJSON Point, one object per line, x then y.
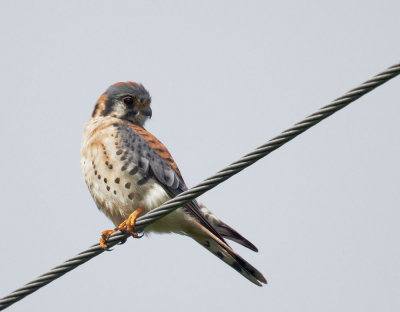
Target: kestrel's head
{"type": "Point", "coordinates": [125, 100]}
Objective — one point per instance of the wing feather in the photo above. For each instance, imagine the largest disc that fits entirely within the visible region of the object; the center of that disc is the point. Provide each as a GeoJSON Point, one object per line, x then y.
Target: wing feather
{"type": "Point", "coordinates": [154, 161]}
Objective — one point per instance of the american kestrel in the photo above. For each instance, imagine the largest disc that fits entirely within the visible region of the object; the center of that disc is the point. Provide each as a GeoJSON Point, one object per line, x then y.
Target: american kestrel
{"type": "Point", "coordinates": [129, 172]}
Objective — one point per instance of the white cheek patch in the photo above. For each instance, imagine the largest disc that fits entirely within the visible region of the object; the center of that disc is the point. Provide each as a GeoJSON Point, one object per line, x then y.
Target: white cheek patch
{"type": "Point", "coordinates": [119, 110]}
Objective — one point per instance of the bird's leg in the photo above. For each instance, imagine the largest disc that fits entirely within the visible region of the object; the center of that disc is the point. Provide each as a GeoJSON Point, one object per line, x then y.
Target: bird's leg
{"type": "Point", "coordinates": [126, 226]}
{"type": "Point", "coordinates": [129, 223]}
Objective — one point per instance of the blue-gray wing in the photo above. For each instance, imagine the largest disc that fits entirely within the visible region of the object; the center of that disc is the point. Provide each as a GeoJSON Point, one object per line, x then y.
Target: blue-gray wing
{"type": "Point", "coordinates": [153, 161]}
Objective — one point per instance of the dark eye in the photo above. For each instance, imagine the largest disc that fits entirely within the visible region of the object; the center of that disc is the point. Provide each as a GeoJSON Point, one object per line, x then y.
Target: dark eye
{"type": "Point", "coordinates": [128, 100]}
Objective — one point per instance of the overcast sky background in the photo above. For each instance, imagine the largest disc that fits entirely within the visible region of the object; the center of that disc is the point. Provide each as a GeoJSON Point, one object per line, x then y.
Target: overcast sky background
{"type": "Point", "coordinates": [224, 77]}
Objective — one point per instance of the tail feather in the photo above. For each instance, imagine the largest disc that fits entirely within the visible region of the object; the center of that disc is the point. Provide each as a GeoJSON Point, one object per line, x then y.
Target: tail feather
{"type": "Point", "coordinates": [229, 233]}
{"type": "Point", "coordinates": [226, 254]}
{"type": "Point", "coordinates": [224, 229]}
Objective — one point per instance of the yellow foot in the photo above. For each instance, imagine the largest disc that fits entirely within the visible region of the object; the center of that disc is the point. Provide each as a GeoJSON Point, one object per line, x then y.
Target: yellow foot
{"type": "Point", "coordinates": [126, 226]}
{"type": "Point", "coordinates": [103, 238]}
{"type": "Point", "coordinates": [129, 223]}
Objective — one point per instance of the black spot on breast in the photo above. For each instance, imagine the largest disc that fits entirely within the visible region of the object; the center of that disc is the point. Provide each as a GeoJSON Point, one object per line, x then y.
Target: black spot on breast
{"type": "Point", "coordinates": [99, 177]}
{"type": "Point", "coordinates": [105, 180]}
{"type": "Point", "coordinates": [106, 163]}
{"type": "Point", "coordinates": [159, 150]}
{"type": "Point", "coordinates": [134, 170]}
{"type": "Point", "coordinates": [110, 167]}
{"type": "Point", "coordinates": [95, 172]}
{"type": "Point", "coordinates": [152, 141]}
{"type": "Point", "coordinates": [115, 192]}
{"type": "Point", "coordinates": [130, 196]}
{"type": "Point", "coordinates": [124, 167]}
{"type": "Point", "coordinates": [128, 185]}
{"type": "Point", "coordinates": [108, 188]}
{"type": "Point", "coordinates": [123, 157]}
{"type": "Point", "coordinates": [119, 152]}
{"type": "Point", "coordinates": [117, 180]}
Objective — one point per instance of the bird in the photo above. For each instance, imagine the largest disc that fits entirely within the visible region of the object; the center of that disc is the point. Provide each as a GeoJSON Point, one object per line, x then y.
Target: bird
{"type": "Point", "coordinates": [129, 172]}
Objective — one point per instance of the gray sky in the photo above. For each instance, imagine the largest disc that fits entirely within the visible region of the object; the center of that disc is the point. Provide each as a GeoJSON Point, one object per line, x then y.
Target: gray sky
{"type": "Point", "coordinates": [224, 77]}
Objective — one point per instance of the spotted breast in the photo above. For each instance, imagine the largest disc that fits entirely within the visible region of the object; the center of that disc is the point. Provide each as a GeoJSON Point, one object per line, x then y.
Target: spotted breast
{"type": "Point", "coordinates": [121, 169]}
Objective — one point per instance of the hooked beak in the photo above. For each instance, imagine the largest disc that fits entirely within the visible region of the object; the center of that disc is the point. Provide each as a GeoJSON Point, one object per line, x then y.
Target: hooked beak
{"type": "Point", "coordinates": [147, 111]}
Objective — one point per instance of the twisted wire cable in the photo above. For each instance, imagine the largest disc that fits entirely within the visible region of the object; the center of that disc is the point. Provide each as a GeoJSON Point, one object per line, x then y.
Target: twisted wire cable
{"type": "Point", "coordinates": [206, 185]}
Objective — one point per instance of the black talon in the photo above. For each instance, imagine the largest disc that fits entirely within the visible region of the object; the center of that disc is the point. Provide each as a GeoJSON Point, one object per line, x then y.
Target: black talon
{"type": "Point", "coordinates": [140, 236]}
{"type": "Point", "coordinates": [123, 241]}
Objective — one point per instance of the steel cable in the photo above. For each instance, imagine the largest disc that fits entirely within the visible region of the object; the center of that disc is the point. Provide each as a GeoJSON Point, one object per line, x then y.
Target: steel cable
{"type": "Point", "coordinates": [206, 185]}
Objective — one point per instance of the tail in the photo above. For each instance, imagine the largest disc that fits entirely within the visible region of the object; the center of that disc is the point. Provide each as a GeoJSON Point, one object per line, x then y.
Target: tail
{"type": "Point", "coordinates": [226, 254]}
{"type": "Point", "coordinates": [224, 229]}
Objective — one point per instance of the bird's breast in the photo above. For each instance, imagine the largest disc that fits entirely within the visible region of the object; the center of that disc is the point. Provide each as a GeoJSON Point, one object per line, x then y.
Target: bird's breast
{"type": "Point", "coordinates": [115, 181]}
